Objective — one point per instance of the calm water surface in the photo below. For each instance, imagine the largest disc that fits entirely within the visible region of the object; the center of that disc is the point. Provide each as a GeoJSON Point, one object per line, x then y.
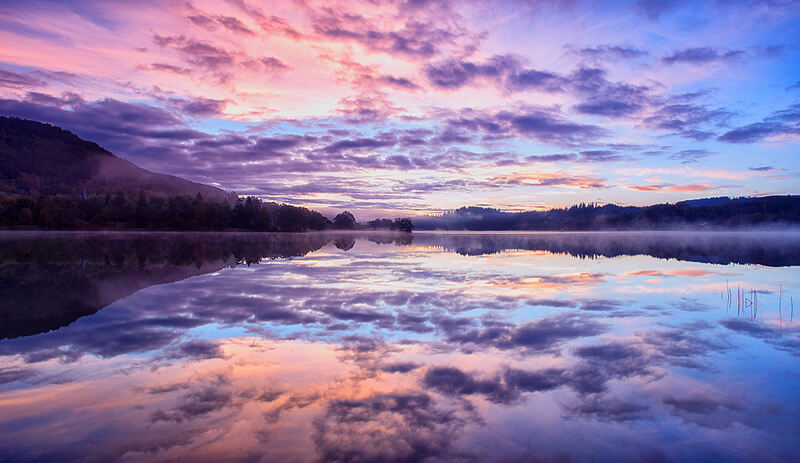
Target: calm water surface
{"type": "Point", "coordinates": [383, 347]}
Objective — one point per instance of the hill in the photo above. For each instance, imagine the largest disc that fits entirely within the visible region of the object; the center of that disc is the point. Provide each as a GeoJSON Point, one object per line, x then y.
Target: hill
{"type": "Point", "coordinates": [709, 213]}
{"type": "Point", "coordinates": [41, 159]}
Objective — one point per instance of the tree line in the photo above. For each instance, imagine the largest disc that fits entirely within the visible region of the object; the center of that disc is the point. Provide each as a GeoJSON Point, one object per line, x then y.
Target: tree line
{"type": "Point", "coordinates": [122, 210]}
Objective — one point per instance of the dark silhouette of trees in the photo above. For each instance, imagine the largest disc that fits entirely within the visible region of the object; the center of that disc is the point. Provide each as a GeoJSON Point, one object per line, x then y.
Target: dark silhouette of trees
{"type": "Point", "coordinates": [295, 219]}
{"type": "Point", "coordinates": [379, 224]}
{"type": "Point", "coordinates": [120, 211]}
{"type": "Point", "coordinates": [251, 214]}
{"type": "Point", "coordinates": [344, 221]}
{"type": "Point", "coordinates": [403, 224]}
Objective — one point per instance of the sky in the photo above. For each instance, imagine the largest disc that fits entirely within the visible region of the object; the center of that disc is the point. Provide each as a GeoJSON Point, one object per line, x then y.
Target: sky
{"type": "Point", "coordinates": [418, 107]}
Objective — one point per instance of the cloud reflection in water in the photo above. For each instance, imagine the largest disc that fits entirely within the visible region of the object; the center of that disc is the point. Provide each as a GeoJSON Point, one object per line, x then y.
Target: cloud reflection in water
{"type": "Point", "coordinates": [393, 351]}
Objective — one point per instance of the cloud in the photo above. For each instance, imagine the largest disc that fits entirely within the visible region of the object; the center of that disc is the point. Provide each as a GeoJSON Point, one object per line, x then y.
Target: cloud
{"type": "Point", "coordinates": [597, 365]}
{"type": "Point", "coordinates": [196, 349]}
{"type": "Point", "coordinates": [551, 157]}
{"type": "Point", "coordinates": [358, 144]}
{"type": "Point", "coordinates": [12, 374]}
{"type": "Point", "coordinates": [71, 109]}
{"type": "Point", "coordinates": [602, 305]}
{"type": "Point", "coordinates": [503, 70]}
{"type": "Point", "coordinates": [199, 106]}
{"type": "Point", "coordinates": [454, 74]}
{"type": "Point", "coordinates": [609, 52]}
{"type": "Point", "coordinates": [503, 388]}
{"type": "Point", "coordinates": [367, 107]}
{"type": "Point", "coordinates": [272, 64]}
{"type": "Point", "coordinates": [163, 67]}
{"type": "Point", "coordinates": [688, 120]}
{"type": "Point", "coordinates": [755, 132]}
{"type": "Point", "coordinates": [400, 367]}
{"type": "Point", "coordinates": [605, 98]}
{"type": "Point", "coordinates": [392, 426]}
{"type": "Point", "coordinates": [542, 335]}
{"type": "Point", "coordinates": [604, 362]}
{"type": "Point", "coordinates": [601, 97]}
{"type": "Point", "coordinates": [702, 55]}
{"type": "Point", "coordinates": [195, 405]}
{"type": "Point", "coordinates": [234, 24]}
{"type": "Point", "coordinates": [611, 108]}
{"type": "Point", "coordinates": [407, 35]}
{"type": "Point", "coordinates": [397, 82]}
{"type": "Point", "coordinates": [452, 381]}
{"type": "Point", "coordinates": [544, 126]}
{"type": "Point", "coordinates": [599, 156]}
{"type": "Point", "coordinates": [788, 341]}
{"type": "Point", "coordinates": [684, 345]}
{"type": "Point", "coordinates": [203, 21]}
{"type": "Point", "coordinates": [534, 79]}
{"type": "Point", "coordinates": [201, 54]}
{"type": "Point", "coordinates": [13, 80]}
{"type": "Point", "coordinates": [702, 410]}
{"type": "Point", "coordinates": [609, 409]}
{"type": "Point", "coordinates": [783, 122]}
{"type": "Point", "coordinates": [691, 155]}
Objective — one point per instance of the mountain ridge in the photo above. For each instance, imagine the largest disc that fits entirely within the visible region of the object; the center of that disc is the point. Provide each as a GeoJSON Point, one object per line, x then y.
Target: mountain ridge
{"type": "Point", "coordinates": [39, 158]}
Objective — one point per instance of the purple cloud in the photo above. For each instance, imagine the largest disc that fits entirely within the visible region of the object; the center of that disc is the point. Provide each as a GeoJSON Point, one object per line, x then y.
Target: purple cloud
{"type": "Point", "coordinates": [784, 122]}
{"type": "Point", "coordinates": [13, 80]}
{"type": "Point", "coordinates": [689, 120]}
{"type": "Point", "coordinates": [609, 52]}
{"type": "Point", "coordinates": [702, 55]}
{"type": "Point", "coordinates": [542, 126]}
{"type": "Point", "coordinates": [234, 24]}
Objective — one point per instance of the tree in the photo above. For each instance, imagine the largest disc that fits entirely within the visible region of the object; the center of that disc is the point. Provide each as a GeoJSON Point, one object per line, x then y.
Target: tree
{"type": "Point", "coordinates": [404, 225]}
{"type": "Point", "coordinates": [381, 223]}
{"type": "Point", "coordinates": [344, 221]}
{"type": "Point", "coordinates": [290, 218]}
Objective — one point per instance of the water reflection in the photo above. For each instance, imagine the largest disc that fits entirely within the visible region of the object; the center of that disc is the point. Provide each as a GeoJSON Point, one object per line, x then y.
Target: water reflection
{"type": "Point", "coordinates": [383, 347]}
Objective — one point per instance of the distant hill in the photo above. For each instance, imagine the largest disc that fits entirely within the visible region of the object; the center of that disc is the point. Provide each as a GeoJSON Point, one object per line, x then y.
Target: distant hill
{"type": "Point", "coordinates": [704, 202]}
{"type": "Point", "coordinates": [37, 158]}
{"type": "Point", "coordinates": [708, 213]}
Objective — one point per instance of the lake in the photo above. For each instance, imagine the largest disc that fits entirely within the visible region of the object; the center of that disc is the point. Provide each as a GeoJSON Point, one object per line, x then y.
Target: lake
{"type": "Point", "coordinates": [397, 347]}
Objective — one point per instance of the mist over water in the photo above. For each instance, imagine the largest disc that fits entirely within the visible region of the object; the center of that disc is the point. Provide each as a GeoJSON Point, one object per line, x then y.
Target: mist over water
{"type": "Point", "coordinates": [395, 347]}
